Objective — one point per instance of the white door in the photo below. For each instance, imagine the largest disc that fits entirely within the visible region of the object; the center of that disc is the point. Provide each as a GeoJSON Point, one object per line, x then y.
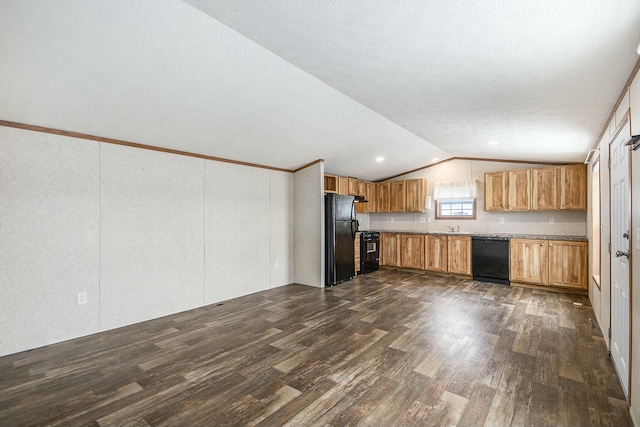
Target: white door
{"type": "Point", "coordinates": [620, 273]}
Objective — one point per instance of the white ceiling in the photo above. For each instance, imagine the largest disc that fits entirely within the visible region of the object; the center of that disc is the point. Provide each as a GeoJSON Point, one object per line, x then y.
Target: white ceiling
{"type": "Point", "coordinates": [283, 83]}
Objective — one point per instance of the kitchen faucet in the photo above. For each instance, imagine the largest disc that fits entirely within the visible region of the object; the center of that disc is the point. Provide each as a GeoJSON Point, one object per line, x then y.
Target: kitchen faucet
{"type": "Point", "coordinates": [452, 228]}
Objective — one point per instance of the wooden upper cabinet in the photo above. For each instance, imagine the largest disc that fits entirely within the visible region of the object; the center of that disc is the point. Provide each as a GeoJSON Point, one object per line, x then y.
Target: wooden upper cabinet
{"type": "Point", "coordinates": [362, 191]}
{"type": "Point", "coordinates": [495, 191]}
{"type": "Point", "coordinates": [343, 186]}
{"type": "Point", "coordinates": [383, 197]}
{"type": "Point", "coordinates": [352, 186]}
{"type": "Point", "coordinates": [330, 184]}
{"type": "Point", "coordinates": [435, 253]}
{"type": "Point", "coordinates": [416, 198]}
{"type": "Point", "coordinates": [390, 249]}
{"type": "Point", "coordinates": [459, 254]}
{"type": "Point", "coordinates": [528, 261]}
{"type": "Point", "coordinates": [412, 251]}
{"type": "Point", "coordinates": [568, 264]}
{"type": "Point", "coordinates": [573, 187]}
{"type": "Point", "coordinates": [398, 196]}
{"type": "Point", "coordinates": [519, 184]}
{"type": "Point", "coordinates": [371, 197]}
{"type": "Point", "coordinates": [544, 189]}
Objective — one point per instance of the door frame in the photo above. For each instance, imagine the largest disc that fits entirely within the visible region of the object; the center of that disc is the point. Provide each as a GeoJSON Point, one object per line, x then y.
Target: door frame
{"type": "Point", "coordinates": [619, 129]}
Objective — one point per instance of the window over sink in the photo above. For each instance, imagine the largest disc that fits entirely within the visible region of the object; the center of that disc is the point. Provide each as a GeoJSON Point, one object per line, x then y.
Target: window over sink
{"type": "Point", "coordinates": [456, 209]}
{"type": "Point", "coordinates": [456, 200]}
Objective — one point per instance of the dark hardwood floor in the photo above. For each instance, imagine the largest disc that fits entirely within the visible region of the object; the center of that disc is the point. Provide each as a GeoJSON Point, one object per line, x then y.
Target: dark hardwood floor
{"type": "Point", "coordinates": [388, 348]}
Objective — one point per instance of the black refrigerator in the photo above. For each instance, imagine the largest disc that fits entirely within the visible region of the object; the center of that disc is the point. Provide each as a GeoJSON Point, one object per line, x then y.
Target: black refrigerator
{"type": "Point", "coordinates": [340, 231]}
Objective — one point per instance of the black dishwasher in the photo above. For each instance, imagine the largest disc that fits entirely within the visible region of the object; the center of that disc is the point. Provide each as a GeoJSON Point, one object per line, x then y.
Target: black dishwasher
{"type": "Point", "coordinates": [490, 259]}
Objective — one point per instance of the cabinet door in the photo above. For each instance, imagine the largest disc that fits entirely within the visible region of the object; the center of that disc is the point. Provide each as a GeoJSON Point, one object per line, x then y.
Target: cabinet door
{"type": "Point", "coordinates": [459, 254]}
{"type": "Point", "coordinates": [390, 249]}
{"type": "Point", "coordinates": [568, 264]}
{"type": "Point", "coordinates": [412, 251]}
{"type": "Point", "coordinates": [436, 253]}
{"type": "Point", "coordinates": [343, 186]}
{"type": "Point", "coordinates": [416, 194]}
{"type": "Point", "coordinates": [528, 261]}
{"type": "Point", "coordinates": [383, 197]}
{"type": "Point", "coordinates": [519, 190]}
{"type": "Point", "coordinates": [353, 186]}
{"type": "Point", "coordinates": [398, 196]}
{"type": "Point", "coordinates": [544, 189]}
{"type": "Point", "coordinates": [573, 187]}
{"type": "Point", "coordinates": [362, 191]}
{"type": "Point", "coordinates": [371, 197]}
{"type": "Point", "coordinates": [495, 191]}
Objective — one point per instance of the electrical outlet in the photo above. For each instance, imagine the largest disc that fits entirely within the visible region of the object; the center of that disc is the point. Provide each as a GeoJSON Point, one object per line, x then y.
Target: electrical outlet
{"type": "Point", "coordinates": [275, 264]}
{"type": "Point", "coordinates": [393, 219]}
{"type": "Point", "coordinates": [501, 220]}
{"type": "Point", "coordinates": [552, 220]}
{"type": "Point", "coordinates": [429, 219]}
{"type": "Point", "coordinates": [423, 219]}
{"type": "Point", "coordinates": [82, 298]}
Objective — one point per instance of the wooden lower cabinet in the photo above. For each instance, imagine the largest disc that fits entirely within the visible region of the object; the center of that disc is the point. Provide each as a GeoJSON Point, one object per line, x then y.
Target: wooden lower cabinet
{"type": "Point", "coordinates": [553, 263]}
{"type": "Point", "coordinates": [568, 264]}
{"type": "Point", "coordinates": [412, 251]}
{"type": "Point", "coordinates": [459, 254]}
{"type": "Point", "coordinates": [426, 252]}
{"type": "Point", "coordinates": [436, 251]}
{"type": "Point", "coordinates": [390, 249]}
{"type": "Point", "coordinates": [528, 261]}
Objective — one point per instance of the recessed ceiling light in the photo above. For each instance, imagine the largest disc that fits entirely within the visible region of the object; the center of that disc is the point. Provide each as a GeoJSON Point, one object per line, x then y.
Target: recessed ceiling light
{"type": "Point", "coordinates": [493, 143]}
{"type": "Point", "coordinates": [379, 159]}
{"type": "Point", "coordinates": [435, 159]}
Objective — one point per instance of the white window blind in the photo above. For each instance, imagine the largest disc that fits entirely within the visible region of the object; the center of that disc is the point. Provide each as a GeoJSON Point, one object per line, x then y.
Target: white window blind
{"type": "Point", "coordinates": [456, 190]}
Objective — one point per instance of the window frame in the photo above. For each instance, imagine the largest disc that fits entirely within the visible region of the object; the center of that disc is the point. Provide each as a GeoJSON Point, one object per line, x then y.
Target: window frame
{"type": "Point", "coordinates": [464, 200]}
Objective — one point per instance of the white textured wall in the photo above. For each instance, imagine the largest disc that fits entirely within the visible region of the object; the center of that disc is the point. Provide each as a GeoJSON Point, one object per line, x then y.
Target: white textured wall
{"type": "Point", "coordinates": [144, 233]}
{"type": "Point", "coordinates": [49, 231]}
{"type": "Point", "coordinates": [281, 213]}
{"type": "Point", "coordinates": [309, 225]}
{"type": "Point", "coordinates": [237, 230]}
{"type": "Point", "coordinates": [565, 222]}
{"type": "Point", "coordinates": [152, 240]}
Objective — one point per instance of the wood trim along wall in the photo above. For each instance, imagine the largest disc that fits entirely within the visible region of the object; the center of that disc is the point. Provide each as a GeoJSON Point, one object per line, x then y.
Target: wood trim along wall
{"type": "Point", "coordinates": [308, 165]}
{"type": "Point", "coordinates": [635, 70]}
{"type": "Point", "coordinates": [527, 162]}
{"type": "Point", "coordinates": [136, 145]}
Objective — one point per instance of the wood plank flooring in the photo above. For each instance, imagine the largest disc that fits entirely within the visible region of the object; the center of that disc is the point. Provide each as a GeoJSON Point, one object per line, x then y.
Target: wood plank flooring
{"type": "Point", "coordinates": [389, 348]}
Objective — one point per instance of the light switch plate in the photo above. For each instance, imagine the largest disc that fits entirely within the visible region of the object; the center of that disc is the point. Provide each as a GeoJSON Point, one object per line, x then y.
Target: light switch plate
{"type": "Point", "coordinates": [82, 298]}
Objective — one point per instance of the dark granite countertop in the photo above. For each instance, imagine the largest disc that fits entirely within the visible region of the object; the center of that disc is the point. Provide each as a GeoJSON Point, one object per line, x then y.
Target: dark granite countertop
{"type": "Point", "coordinates": [479, 234]}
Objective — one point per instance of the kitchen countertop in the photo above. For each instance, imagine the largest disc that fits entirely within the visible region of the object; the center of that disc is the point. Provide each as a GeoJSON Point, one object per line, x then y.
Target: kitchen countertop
{"type": "Point", "coordinates": [478, 234]}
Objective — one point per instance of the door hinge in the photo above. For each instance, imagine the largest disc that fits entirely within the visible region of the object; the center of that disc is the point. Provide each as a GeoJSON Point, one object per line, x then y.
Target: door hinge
{"type": "Point", "coordinates": [609, 163]}
{"type": "Point", "coordinates": [609, 333]}
{"type": "Point", "coordinates": [609, 247]}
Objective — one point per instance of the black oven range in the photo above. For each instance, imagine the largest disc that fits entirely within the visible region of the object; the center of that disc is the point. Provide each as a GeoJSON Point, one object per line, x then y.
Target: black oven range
{"type": "Point", "coordinates": [369, 251]}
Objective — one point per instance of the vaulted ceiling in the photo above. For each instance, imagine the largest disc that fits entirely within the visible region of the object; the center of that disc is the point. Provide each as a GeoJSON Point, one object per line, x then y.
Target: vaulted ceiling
{"type": "Point", "coordinates": [283, 83]}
